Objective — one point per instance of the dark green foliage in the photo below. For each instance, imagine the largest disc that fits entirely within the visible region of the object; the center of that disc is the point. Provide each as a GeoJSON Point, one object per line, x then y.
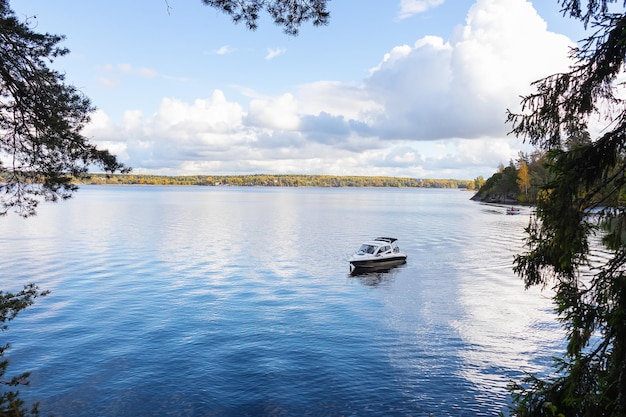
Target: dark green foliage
{"type": "Point", "coordinates": [582, 201]}
{"type": "Point", "coordinates": [503, 186]}
{"type": "Point", "coordinates": [41, 117]}
{"type": "Point", "coordinates": [10, 305]}
{"type": "Point", "coordinates": [507, 185]}
{"type": "Point", "coordinates": [289, 14]}
{"type": "Point", "coordinates": [489, 189]}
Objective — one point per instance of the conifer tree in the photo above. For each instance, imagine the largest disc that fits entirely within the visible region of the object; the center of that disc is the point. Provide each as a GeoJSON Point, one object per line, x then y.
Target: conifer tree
{"type": "Point", "coordinates": [41, 118]}
{"type": "Point", "coordinates": [11, 405]}
{"type": "Point", "coordinates": [41, 151]}
{"type": "Point", "coordinates": [584, 201]}
{"type": "Point", "coordinates": [289, 14]}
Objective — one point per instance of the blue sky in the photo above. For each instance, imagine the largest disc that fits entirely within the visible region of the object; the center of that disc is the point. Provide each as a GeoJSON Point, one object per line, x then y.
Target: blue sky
{"type": "Point", "coordinates": [415, 88]}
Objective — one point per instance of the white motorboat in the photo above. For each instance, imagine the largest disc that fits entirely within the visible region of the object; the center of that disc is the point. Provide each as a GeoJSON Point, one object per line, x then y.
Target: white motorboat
{"type": "Point", "coordinates": [513, 211]}
{"type": "Point", "coordinates": [381, 252]}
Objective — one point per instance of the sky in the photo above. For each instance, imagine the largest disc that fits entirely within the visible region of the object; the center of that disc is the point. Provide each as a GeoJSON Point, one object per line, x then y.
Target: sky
{"type": "Point", "coordinates": [407, 88]}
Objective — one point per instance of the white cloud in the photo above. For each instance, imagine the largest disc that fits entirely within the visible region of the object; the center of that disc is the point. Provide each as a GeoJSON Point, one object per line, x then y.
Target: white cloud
{"type": "Point", "coordinates": [215, 114]}
{"type": "Point", "coordinates": [430, 108]}
{"type": "Point", "coordinates": [224, 50]}
{"type": "Point", "coordinates": [338, 99]}
{"type": "Point", "coordinates": [176, 134]}
{"type": "Point", "coordinates": [461, 88]}
{"type": "Point", "coordinates": [274, 52]}
{"type": "Point", "coordinates": [108, 82]}
{"type": "Point", "coordinates": [278, 113]}
{"type": "Point", "coordinates": [124, 68]}
{"type": "Point", "coordinates": [112, 76]}
{"type": "Point", "coordinates": [409, 8]}
{"type": "Point", "coordinates": [146, 72]}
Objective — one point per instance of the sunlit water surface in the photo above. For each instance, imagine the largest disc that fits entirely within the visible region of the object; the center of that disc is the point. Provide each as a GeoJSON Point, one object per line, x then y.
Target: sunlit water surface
{"type": "Point", "coordinates": [226, 301]}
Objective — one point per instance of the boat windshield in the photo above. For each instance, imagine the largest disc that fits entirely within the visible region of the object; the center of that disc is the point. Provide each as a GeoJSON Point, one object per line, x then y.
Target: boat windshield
{"type": "Point", "coordinates": [365, 248]}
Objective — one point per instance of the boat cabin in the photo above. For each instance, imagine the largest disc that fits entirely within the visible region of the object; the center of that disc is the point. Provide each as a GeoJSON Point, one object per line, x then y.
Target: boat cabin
{"type": "Point", "coordinates": [380, 246]}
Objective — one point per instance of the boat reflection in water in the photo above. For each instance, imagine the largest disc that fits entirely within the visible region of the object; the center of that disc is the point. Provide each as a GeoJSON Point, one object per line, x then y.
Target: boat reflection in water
{"type": "Point", "coordinates": [374, 277]}
{"type": "Point", "coordinates": [378, 253]}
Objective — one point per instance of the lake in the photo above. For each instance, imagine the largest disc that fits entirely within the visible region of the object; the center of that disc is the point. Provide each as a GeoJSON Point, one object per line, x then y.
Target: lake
{"type": "Point", "coordinates": [237, 301]}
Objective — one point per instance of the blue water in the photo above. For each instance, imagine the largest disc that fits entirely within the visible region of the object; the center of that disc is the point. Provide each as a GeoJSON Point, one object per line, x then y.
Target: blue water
{"type": "Point", "coordinates": [227, 301]}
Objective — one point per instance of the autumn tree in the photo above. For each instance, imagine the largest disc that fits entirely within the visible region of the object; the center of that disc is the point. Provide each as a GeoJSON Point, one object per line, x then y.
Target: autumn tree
{"type": "Point", "coordinates": [582, 202]}
{"type": "Point", "coordinates": [523, 178]}
{"type": "Point", "coordinates": [478, 182]}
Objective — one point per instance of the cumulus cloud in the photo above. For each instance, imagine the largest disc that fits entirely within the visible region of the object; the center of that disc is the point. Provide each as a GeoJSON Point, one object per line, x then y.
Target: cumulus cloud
{"type": "Point", "coordinates": [177, 133]}
{"type": "Point", "coordinates": [277, 113]}
{"type": "Point", "coordinates": [431, 107]}
{"type": "Point", "coordinates": [461, 88]}
{"type": "Point", "coordinates": [351, 101]}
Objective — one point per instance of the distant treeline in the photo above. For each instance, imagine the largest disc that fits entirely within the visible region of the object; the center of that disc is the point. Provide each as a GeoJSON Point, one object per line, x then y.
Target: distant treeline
{"type": "Point", "coordinates": [276, 181]}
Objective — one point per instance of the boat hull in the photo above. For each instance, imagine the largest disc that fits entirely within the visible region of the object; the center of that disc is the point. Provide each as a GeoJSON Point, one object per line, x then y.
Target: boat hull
{"type": "Point", "coordinates": [378, 263]}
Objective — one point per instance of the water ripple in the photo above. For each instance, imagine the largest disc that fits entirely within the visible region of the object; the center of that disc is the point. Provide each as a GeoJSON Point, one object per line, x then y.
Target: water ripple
{"type": "Point", "coordinates": [238, 302]}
